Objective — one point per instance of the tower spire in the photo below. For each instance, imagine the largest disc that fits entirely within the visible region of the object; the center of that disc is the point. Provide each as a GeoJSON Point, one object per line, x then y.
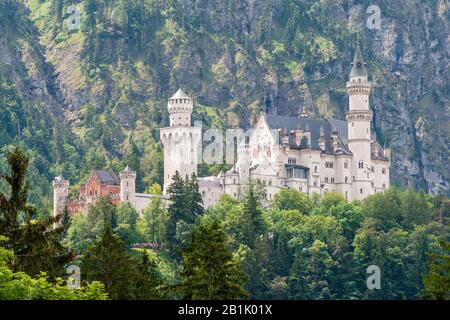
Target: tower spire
{"type": "Point", "coordinates": [358, 65]}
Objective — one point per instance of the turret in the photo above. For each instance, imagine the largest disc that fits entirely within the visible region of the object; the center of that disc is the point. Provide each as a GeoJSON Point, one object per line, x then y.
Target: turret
{"type": "Point", "coordinates": [181, 141]}
{"type": "Point", "coordinates": [180, 107]}
{"type": "Point", "coordinates": [60, 194]}
{"type": "Point", "coordinates": [243, 163]}
{"type": "Point", "coordinates": [359, 118]}
{"type": "Point", "coordinates": [127, 185]}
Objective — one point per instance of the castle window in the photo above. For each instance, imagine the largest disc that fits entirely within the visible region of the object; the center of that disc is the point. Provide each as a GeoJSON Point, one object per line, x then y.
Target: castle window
{"type": "Point", "coordinates": [373, 169]}
{"type": "Point", "coordinates": [270, 182]}
{"type": "Point", "coordinates": [345, 164]}
{"type": "Point", "coordinates": [127, 197]}
{"type": "Point", "coordinates": [326, 179]}
{"type": "Point", "coordinates": [315, 169]}
{"type": "Point", "coordinates": [384, 186]}
{"type": "Point", "coordinates": [383, 170]}
{"type": "Point", "coordinates": [296, 173]}
{"type": "Point", "coordinates": [346, 179]}
{"type": "Point", "coordinates": [315, 183]}
{"type": "Point", "coordinates": [361, 191]}
{"type": "Point", "coordinates": [361, 165]}
{"type": "Point", "coordinates": [353, 124]}
{"type": "Point", "coordinates": [346, 195]}
{"type": "Point", "coordinates": [332, 179]}
{"type": "Point", "coordinates": [127, 183]}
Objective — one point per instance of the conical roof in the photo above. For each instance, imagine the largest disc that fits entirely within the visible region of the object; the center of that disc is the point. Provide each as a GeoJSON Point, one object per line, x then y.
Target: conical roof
{"type": "Point", "coordinates": [358, 67]}
{"type": "Point", "coordinates": [180, 94]}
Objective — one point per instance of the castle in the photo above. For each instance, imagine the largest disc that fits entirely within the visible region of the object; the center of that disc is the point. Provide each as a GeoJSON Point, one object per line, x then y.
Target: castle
{"type": "Point", "coordinates": [100, 183]}
{"type": "Point", "coordinates": [309, 155]}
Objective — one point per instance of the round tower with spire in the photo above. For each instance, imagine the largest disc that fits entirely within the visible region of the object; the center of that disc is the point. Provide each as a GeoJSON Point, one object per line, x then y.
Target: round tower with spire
{"type": "Point", "coordinates": [359, 118]}
{"type": "Point", "coordinates": [60, 194]}
{"type": "Point", "coordinates": [181, 140]}
{"type": "Point", "coordinates": [127, 185]}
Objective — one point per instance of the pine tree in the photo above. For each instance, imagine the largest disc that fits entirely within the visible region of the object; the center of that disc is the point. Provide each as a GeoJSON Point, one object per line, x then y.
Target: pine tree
{"type": "Point", "coordinates": [148, 278]}
{"type": "Point", "coordinates": [209, 270]}
{"type": "Point", "coordinates": [36, 243]}
{"type": "Point", "coordinates": [65, 221]}
{"type": "Point", "coordinates": [186, 205]}
{"type": "Point", "coordinates": [107, 261]}
{"type": "Point", "coordinates": [195, 198]}
{"type": "Point", "coordinates": [177, 209]}
{"type": "Point", "coordinates": [253, 224]}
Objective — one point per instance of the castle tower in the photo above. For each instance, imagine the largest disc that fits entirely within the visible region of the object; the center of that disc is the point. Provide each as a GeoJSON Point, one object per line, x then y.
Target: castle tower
{"type": "Point", "coordinates": [181, 140]}
{"type": "Point", "coordinates": [359, 118]}
{"type": "Point", "coordinates": [127, 185]}
{"type": "Point", "coordinates": [60, 194]}
{"type": "Point", "coordinates": [243, 160]}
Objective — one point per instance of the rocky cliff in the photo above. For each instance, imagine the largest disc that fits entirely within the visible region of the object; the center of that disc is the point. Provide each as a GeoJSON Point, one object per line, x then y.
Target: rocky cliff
{"type": "Point", "coordinates": [108, 78]}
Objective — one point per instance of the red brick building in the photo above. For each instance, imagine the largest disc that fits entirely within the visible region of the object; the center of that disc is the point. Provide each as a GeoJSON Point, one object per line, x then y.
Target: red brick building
{"type": "Point", "coordinates": [100, 183]}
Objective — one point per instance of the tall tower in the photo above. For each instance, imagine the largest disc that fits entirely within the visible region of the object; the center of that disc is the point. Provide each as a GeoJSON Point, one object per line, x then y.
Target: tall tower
{"type": "Point", "coordinates": [359, 118]}
{"type": "Point", "coordinates": [180, 140]}
{"type": "Point", "coordinates": [127, 185]}
{"type": "Point", "coordinates": [60, 194]}
{"type": "Point", "coordinates": [243, 160]}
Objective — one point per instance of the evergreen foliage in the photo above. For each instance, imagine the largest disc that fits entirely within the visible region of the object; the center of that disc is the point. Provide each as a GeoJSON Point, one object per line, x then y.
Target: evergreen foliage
{"type": "Point", "coordinates": [209, 270]}
{"type": "Point", "coordinates": [35, 242]}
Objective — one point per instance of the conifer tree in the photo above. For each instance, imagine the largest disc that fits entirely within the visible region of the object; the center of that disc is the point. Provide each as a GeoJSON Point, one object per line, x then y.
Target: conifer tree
{"type": "Point", "coordinates": [195, 198]}
{"type": "Point", "coordinates": [65, 221]}
{"type": "Point", "coordinates": [36, 243]}
{"type": "Point", "coordinates": [177, 206]}
{"type": "Point", "coordinates": [209, 270]}
{"type": "Point", "coordinates": [185, 206]}
{"type": "Point", "coordinates": [148, 278]}
{"type": "Point", "coordinates": [107, 261]}
{"type": "Point", "coordinates": [252, 221]}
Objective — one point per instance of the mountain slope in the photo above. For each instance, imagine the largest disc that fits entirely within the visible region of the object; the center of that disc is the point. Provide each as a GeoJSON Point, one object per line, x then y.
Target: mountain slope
{"type": "Point", "coordinates": [111, 77]}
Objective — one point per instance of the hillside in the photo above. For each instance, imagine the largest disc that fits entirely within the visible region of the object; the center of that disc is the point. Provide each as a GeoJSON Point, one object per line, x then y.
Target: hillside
{"type": "Point", "coordinates": [95, 96]}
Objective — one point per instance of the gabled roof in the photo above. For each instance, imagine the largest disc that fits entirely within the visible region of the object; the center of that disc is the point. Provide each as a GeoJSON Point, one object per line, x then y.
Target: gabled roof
{"type": "Point", "coordinates": [314, 126]}
{"type": "Point", "coordinates": [358, 66]}
{"type": "Point", "coordinates": [107, 177]}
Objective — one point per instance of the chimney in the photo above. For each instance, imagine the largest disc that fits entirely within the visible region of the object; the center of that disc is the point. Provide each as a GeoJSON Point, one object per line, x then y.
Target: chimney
{"type": "Point", "coordinates": [335, 140]}
{"type": "Point", "coordinates": [284, 138]}
{"type": "Point", "coordinates": [374, 148]}
{"type": "Point", "coordinates": [387, 153]}
{"type": "Point", "coordinates": [321, 139]}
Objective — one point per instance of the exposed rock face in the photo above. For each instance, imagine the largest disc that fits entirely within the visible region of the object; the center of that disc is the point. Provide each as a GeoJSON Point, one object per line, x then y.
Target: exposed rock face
{"type": "Point", "coordinates": [243, 56]}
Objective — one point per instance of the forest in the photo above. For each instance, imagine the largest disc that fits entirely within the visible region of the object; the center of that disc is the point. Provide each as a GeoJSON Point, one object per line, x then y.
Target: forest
{"type": "Point", "coordinates": [293, 247]}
